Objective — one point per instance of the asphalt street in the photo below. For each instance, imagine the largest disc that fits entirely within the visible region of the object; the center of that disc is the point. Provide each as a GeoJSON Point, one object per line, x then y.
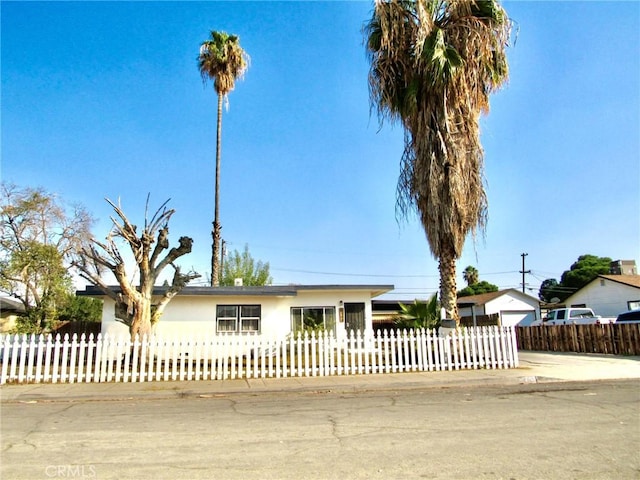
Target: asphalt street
{"type": "Point", "coordinates": [558, 416]}
{"type": "Point", "coordinates": [577, 430]}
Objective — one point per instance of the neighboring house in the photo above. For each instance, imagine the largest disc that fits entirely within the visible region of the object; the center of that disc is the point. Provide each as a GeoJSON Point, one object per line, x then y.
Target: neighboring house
{"type": "Point", "coordinates": [273, 311]}
{"type": "Point", "coordinates": [506, 307]}
{"type": "Point", "coordinates": [608, 295]}
{"type": "Point", "coordinates": [385, 313]}
{"type": "Point", "coordinates": [10, 310]}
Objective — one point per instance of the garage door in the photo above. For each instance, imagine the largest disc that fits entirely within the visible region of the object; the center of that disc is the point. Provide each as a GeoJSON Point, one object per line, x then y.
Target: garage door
{"type": "Point", "coordinates": [522, 318]}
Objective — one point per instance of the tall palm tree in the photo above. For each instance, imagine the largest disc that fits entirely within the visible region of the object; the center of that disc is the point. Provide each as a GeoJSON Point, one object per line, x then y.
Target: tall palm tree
{"type": "Point", "coordinates": [433, 65]}
{"type": "Point", "coordinates": [470, 275]}
{"type": "Point", "coordinates": [223, 61]}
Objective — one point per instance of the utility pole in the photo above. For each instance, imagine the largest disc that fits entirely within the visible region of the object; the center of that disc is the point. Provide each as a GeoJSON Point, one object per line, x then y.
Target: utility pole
{"type": "Point", "coordinates": [523, 271]}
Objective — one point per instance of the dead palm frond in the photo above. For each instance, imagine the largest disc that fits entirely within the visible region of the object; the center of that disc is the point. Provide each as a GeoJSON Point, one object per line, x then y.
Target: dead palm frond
{"type": "Point", "coordinates": [434, 64]}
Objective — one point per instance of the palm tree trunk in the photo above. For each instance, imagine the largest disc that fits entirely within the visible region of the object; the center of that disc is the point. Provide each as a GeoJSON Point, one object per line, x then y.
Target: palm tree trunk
{"type": "Point", "coordinates": [448, 295]}
{"type": "Point", "coordinates": [215, 253]}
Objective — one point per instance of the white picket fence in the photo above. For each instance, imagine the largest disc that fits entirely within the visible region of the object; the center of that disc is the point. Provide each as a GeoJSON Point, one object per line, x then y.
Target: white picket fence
{"type": "Point", "coordinates": [39, 358]}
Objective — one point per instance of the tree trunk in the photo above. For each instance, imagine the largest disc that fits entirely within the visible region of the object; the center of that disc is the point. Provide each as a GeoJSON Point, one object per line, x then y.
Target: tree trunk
{"type": "Point", "coordinates": [448, 295]}
{"type": "Point", "coordinates": [141, 324]}
{"type": "Point", "coordinates": [215, 250]}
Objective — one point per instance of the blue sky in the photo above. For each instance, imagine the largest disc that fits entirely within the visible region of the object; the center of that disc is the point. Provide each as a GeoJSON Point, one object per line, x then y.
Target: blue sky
{"type": "Point", "coordinates": [104, 99]}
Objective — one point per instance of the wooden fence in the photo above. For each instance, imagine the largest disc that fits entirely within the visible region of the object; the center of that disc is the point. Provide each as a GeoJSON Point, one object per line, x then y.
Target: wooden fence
{"type": "Point", "coordinates": [38, 358]}
{"type": "Point", "coordinates": [610, 338]}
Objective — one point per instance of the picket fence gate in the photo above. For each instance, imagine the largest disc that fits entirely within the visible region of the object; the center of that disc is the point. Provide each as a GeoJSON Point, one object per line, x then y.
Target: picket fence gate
{"type": "Point", "coordinates": [40, 358]}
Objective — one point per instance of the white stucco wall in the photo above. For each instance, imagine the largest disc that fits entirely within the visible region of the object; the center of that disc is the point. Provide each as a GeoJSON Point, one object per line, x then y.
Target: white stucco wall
{"type": "Point", "coordinates": [508, 306]}
{"type": "Point", "coordinates": [513, 309]}
{"type": "Point", "coordinates": [605, 297]}
{"type": "Point", "coordinates": [196, 315]}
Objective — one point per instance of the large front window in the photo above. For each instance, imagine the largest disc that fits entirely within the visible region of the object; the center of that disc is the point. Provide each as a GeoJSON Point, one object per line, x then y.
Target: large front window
{"type": "Point", "coordinates": [238, 318]}
{"type": "Point", "coordinates": [313, 319]}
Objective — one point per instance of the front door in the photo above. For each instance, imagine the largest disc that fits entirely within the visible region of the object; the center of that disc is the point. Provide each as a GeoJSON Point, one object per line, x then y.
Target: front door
{"type": "Point", "coordinates": [354, 317]}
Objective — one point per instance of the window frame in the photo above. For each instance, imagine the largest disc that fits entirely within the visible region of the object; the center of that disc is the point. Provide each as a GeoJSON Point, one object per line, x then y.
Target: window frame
{"type": "Point", "coordinates": [633, 304]}
{"type": "Point", "coordinates": [240, 318]}
{"type": "Point", "coordinates": [325, 308]}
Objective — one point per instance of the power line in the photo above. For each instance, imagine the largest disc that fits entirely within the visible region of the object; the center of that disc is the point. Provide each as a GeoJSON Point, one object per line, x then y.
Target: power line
{"type": "Point", "coordinates": [343, 274]}
{"type": "Point", "coordinates": [379, 275]}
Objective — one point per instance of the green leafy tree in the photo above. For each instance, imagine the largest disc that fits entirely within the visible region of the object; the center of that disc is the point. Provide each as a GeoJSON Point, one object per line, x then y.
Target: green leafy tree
{"type": "Point", "coordinates": [419, 314]}
{"type": "Point", "coordinates": [478, 288]}
{"type": "Point", "coordinates": [433, 65]}
{"type": "Point", "coordinates": [223, 61]}
{"type": "Point", "coordinates": [81, 309]}
{"type": "Point", "coordinates": [242, 265]}
{"type": "Point", "coordinates": [550, 289]}
{"type": "Point", "coordinates": [39, 237]}
{"type": "Point", "coordinates": [584, 270]}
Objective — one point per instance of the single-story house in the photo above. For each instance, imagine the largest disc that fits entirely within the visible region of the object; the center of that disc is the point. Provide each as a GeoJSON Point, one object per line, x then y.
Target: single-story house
{"type": "Point", "coordinates": [10, 310]}
{"type": "Point", "coordinates": [608, 295]}
{"type": "Point", "coordinates": [508, 307]}
{"type": "Point", "coordinates": [274, 311]}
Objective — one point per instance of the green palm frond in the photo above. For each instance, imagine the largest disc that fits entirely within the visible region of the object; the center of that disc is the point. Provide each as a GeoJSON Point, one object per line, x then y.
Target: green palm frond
{"type": "Point", "coordinates": [222, 60]}
{"type": "Point", "coordinates": [419, 314]}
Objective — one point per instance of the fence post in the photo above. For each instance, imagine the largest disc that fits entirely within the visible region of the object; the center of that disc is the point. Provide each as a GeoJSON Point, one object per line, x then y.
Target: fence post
{"type": "Point", "coordinates": [359, 347]}
{"type": "Point", "coordinates": [57, 346]}
{"type": "Point", "coordinates": [150, 357]}
{"type": "Point", "coordinates": [369, 352]}
{"type": "Point", "coordinates": [465, 343]}
{"type": "Point", "coordinates": [41, 348]}
{"type": "Point", "coordinates": [81, 357]}
{"type": "Point", "coordinates": [4, 357]}
{"type": "Point", "coordinates": [324, 357]}
{"type": "Point", "coordinates": [65, 357]}
{"type": "Point", "coordinates": [166, 358]}
{"type": "Point", "coordinates": [313, 353]}
{"type": "Point", "coordinates": [379, 346]}
{"type": "Point", "coordinates": [74, 357]}
{"type": "Point", "coordinates": [185, 357]}
{"type": "Point", "coordinates": [142, 375]}
{"type": "Point", "coordinates": [515, 361]}
{"type": "Point", "coordinates": [454, 350]}
{"type": "Point", "coordinates": [88, 372]}
{"type": "Point", "coordinates": [393, 350]}
{"type": "Point", "coordinates": [422, 364]}
{"type": "Point", "coordinates": [112, 360]}
{"type": "Point", "coordinates": [345, 353]}
{"type": "Point", "coordinates": [100, 357]}
{"type": "Point", "coordinates": [299, 354]}
{"type": "Point", "coordinates": [135, 359]}
{"type": "Point", "coordinates": [30, 360]}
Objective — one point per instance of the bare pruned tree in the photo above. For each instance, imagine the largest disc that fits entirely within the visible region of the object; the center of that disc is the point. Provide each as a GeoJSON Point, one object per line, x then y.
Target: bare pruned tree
{"type": "Point", "coordinates": [136, 306]}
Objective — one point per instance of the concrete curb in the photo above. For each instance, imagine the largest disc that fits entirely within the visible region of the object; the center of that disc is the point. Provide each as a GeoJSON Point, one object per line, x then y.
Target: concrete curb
{"type": "Point", "coordinates": [535, 367]}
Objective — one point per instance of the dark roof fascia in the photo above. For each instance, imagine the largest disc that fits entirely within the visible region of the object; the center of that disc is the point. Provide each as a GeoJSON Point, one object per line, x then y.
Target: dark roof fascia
{"type": "Point", "coordinates": [93, 291]}
{"type": "Point", "coordinates": [375, 290]}
{"type": "Point", "coordinates": [385, 306]}
{"type": "Point", "coordinates": [267, 291]}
